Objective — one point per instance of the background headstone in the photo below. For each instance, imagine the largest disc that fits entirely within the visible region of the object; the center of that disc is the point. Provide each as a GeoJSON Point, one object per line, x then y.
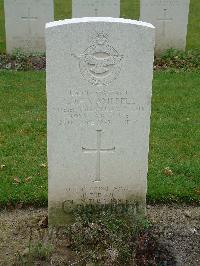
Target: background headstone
{"type": "Point", "coordinates": [25, 24]}
{"type": "Point", "coordinates": [99, 83]}
{"type": "Point", "coordinates": [95, 8]}
{"type": "Point", "coordinates": [170, 17]}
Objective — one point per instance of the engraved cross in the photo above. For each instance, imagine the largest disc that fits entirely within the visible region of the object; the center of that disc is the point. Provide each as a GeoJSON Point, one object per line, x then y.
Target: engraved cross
{"type": "Point", "coordinates": [164, 20]}
{"type": "Point", "coordinates": [29, 18]}
{"type": "Point", "coordinates": [98, 151]}
{"type": "Point", "coordinates": [96, 11]}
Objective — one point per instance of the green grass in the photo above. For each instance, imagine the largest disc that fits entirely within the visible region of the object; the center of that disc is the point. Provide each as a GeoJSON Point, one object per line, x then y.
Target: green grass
{"type": "Point", "coordinates": [175, 131]}
{"type": "Point", "coordinates": [63, 9]}
{"type": "Point", "coordinates": [129, 9]}
{"type": "Point", "coordinates": [193, 36]}
{"type": "Point", "coordinates": [23, 137]}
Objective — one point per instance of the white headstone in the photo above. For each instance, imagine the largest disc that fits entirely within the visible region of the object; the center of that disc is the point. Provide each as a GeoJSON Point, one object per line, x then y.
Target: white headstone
{"type": "Point", "coordinates": [99, 83]}
{"type": "Point", "coordinates": [25, 24]}
{"type": "Point", "coordinates": [170, 17]}
{"type": "Point", "coordinates": [95, 8]}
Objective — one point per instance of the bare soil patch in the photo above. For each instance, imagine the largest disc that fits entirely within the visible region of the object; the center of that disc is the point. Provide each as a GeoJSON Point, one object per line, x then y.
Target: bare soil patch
{"type": "Point", "coordinates": [174, 238]}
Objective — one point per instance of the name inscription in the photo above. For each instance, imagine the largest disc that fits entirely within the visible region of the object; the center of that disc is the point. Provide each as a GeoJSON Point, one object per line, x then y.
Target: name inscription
{"type": "Point", "coordinates": [96, 108]}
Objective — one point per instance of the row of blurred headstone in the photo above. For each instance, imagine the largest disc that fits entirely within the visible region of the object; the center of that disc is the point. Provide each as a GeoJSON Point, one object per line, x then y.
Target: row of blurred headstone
{"type": "Point", "coordinates": [25, 20]}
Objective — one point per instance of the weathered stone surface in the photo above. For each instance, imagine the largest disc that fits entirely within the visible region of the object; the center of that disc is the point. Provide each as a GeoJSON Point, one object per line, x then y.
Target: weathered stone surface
{"type": "Point", "coordinates": [95, 8]}
{"type": "Point", "coordinates": [99, 80]}
{"type": "Point", "coordinates": [25, 24]}
{"type": "Point", "coordinates": [170, 17]}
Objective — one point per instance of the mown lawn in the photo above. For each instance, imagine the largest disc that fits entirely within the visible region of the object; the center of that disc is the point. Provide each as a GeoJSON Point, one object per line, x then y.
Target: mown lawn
{"type": "Point", "coordinates": [175, 131]}
{"type": "Point", "coordinates": [129, 9]}
{"type": "Point", "coordinates": [175, 136]}
{"type": "Point", "coordinates": [23, 137]}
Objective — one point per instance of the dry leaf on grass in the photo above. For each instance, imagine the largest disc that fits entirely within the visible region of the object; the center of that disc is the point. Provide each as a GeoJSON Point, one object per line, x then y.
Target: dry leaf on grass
{"type": "Point", "coordinates": [27, 179]}
{"type": "Point", "coordinates": [167, 171]}
{"type": "Point", "coordinates": [197, 191]}
{"type": "Point", "coordinates": [43, 165]}
{"type": "Point", "coordinates": [17, 180]}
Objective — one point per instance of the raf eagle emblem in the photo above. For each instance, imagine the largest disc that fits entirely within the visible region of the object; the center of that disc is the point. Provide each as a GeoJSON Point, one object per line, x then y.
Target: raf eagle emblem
{"type": "Point", "coordinates": [100, 63]}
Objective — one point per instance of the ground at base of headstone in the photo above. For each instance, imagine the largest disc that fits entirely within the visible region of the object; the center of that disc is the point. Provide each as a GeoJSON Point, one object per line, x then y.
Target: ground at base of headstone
{"type": "Point", "coordinates": [171, 58]}
{"type": "Point", "coordinates": [172, 239]}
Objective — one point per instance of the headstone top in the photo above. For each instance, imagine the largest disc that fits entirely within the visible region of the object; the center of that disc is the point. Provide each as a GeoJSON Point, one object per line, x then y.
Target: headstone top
{"type": "Point", "coordinates": [98, 19]}
{"type": "Point", "coordinates": [95, 8]}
